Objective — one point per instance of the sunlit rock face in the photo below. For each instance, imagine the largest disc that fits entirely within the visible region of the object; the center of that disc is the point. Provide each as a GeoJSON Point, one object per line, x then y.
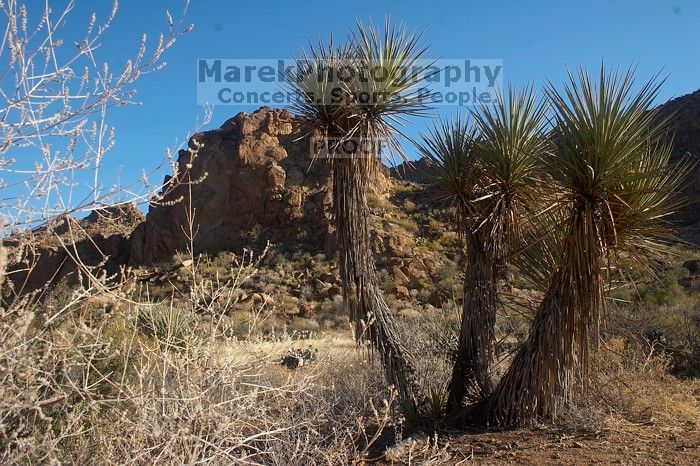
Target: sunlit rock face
{"type": "Point", "coordinates": [253, 174]}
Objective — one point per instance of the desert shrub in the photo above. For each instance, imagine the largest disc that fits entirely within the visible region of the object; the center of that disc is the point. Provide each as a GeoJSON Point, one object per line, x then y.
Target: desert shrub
{"type": "Point", "coordinates": [377, 203]}
{"type": "Point", "coordinates": [449, 280]}
{"type": "Point", "coordinates": [386, 281]}
{"type": "Point", "coordinates": [407, 224]}
{"type": "Point", "coordinates": [305, 324]}
{"type": "Point", "coordinates": [664, 291]}
{"type": "Point", "coordinates": [631, 383]}
{"type": "Point", "coordinates": [333, 313]}
{"type": "Point", "coordinates": [432, 335]}
{"type": "Point", "coordinates": [680, 342]}
{"type": "Point", "coordinates": [72, 393]}
{"type": "Point", "coordinates": [58, 295]}
{"type": "Point", "coordinates": [620, 294]}
{"type": "Point", "coordinates": [408, 205]}
{"type": "Point", "coordinates": [671, 330]}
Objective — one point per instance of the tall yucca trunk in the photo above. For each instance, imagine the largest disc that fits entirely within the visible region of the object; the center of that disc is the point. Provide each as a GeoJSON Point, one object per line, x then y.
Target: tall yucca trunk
{"type": "Point", "coordinates": [539, 381]}
{"type": "Point", "coordinates": [471, 374]}
{"type": "Point", "coordinates": [368, 311]}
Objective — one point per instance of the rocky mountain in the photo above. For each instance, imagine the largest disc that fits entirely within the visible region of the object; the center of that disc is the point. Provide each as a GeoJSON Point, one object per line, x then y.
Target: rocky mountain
{"type": "Point", "coordinates": [415, 171]}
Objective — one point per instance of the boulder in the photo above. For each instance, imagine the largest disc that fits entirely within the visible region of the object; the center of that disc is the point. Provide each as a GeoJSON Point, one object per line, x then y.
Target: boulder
{"type": "Point", "coordinates": [402, 292]}
{"type": "Point", "coordinates": [399, 276]}
{"type": "Point", "coordinates": [415, 270]}
{"type": "Point", "coordinates": [334, 290]}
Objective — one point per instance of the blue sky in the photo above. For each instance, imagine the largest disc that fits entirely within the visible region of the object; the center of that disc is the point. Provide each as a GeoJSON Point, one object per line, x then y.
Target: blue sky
{"type": "Point", "coordinates": [535, 40]}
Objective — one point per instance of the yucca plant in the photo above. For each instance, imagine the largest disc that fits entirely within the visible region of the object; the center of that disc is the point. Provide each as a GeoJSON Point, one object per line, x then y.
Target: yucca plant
{"type": "Point", "coordinates": [169, 326]}
{"type": "Point", "coordinates": [367, 114]}
{"type": "Point", "coordinates": [488, 170]}
{"type": "Point", "coordinates": [616, 190]}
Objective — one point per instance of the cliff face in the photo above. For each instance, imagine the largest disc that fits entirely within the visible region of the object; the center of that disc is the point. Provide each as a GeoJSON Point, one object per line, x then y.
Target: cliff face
{"type": "Point", "coordinates": [251, 174]}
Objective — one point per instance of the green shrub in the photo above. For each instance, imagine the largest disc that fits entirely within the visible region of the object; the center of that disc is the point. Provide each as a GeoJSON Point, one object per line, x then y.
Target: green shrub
{"type": "Point", "coordinates": [664, 291]}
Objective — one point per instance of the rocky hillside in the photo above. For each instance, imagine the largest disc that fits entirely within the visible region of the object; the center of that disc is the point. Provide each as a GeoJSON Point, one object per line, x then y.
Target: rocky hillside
{"type": "Point", "coordinates": [686, 141]}
{"type": "Point", "coordinates": [415, 171]}
{"type": "Point", "coordinates": [247, 182]}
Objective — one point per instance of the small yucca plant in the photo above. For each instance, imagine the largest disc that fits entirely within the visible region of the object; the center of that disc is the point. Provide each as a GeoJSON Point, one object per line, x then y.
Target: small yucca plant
{"type": "Point", "coordinates": [488, 171]}
{"type": "Point", "coordinates": [169, 326]}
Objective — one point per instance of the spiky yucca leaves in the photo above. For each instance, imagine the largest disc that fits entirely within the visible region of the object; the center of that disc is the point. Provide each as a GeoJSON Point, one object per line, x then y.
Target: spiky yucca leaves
{"type": "Point", "coordinates": [319, 91]}
{"type": "Point", "coordinates": [617, 189]}
{"type": "Point", "coordinates": [395, 63]}
{"type": "Point", "coordinates": [489, 172]}
{"type": "Point", "coordinates": [366, 114]}
{"type": "Point", "coordinates": [451, 148]}
{"type": "Point", "coordinates": [512, 142]}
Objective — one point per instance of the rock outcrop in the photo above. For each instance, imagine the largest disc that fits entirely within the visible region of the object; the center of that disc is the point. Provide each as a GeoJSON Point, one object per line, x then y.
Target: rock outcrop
{"type": "Point", "coordinates": [685, 127]}
{"type": "Point", "coordinates": [251, 175]}
{"type": "Point", "coordinates": [100, 241]}
{"type": "Point", "coordinates": [415, 171]}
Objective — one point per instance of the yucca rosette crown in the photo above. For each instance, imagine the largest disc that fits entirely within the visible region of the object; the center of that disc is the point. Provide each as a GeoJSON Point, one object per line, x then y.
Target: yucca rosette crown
{"type": "Point", "coordinates": [612, 157]}
{"type": "Point", "coordinates": [362, 92]}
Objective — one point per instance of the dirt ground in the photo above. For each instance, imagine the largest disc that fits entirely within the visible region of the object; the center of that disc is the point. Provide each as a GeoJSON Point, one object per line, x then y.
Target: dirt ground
{"type": "Point", "coordinates": [624, 444]}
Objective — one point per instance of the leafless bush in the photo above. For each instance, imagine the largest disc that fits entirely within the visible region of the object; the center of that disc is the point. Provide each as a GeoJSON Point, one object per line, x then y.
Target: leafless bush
{"type": "Point", "coordinates": [432, 335]}
{"type": "Point", "coordinates": [54, 104]}
{"type": "Point", "coordinates": [57, 89]}
{"type": "Point", "coordinates": [631, 384]}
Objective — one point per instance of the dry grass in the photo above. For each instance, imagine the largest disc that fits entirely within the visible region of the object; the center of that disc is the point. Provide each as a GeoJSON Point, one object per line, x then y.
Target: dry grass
{"type": "Point", "coordinates": [70, 391]}
{"type": "Point", "coordinates": [632, 384]}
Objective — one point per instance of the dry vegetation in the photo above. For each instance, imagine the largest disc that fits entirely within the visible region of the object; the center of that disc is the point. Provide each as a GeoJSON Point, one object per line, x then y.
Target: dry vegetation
{"type": "Point", "coordinates": [97, 377]}
{"type": "Point", "coordinates": [212, 364]}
